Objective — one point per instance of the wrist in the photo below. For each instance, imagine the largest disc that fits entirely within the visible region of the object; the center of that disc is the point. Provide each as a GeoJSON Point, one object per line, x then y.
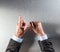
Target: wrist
{"type": "Point", "coordinates": [19, 33]}
{"type": "Point", "coordinates": [41, 38]}
{"type": "Point", "coordinates": [17, 39]}
{"type": "Point", "coordinates": [19, 36]}
{"type": "Point", "coordinates": [41, 34]}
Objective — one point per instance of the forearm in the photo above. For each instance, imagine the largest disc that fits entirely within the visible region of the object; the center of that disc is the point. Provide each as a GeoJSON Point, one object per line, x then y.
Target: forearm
{"type": "Point", "coordinates": [14, 44]}
{"type": "Point", "coordinates": [45, 44]}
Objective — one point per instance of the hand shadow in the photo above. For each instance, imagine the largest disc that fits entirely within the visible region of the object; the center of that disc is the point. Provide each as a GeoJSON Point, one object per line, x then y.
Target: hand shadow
{"type": "Point", "coordinates": [28, 41]}
{"type": "Point", "coordinates": [50, 30]}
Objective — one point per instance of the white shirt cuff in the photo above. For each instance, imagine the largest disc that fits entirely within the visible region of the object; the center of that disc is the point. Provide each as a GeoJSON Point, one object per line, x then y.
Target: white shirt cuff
{"type": "Point", "coordinates": [15, 38]}
{"type": "Point", "coordinates": [41, 38]}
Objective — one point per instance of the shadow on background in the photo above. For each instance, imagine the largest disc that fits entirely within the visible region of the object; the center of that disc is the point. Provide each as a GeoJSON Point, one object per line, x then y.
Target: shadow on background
{"type": "Point", "coordinates": [28, 41]}
{"type": "Point", "coordinates": [50, 29]}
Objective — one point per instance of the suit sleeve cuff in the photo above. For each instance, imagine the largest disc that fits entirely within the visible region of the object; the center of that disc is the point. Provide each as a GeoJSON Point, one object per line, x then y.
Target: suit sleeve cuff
{"type": "Point", "coordinates": [15, 38]}
{"type": "Point", "coordinates": [41, 38]}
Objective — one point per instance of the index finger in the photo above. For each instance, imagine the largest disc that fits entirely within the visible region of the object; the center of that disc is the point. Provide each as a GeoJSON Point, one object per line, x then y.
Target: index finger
{"type": "Point", "coordinates": [19, 20]}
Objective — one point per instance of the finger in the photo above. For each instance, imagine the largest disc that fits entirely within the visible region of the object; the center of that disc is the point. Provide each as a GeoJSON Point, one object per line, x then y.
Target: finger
{"type": "Point", "coordinates": [26, 27]}
{"type": "Point", "coordinates": [18, 23]}
{"type": "Point", "coordinates": [40, 26]}
{"type": "Point", "coordinates": [32, 24]}
{"type": "Point", "coordinates": [22, 22]}
{"type": "Point", "coordinates": [19, 19]}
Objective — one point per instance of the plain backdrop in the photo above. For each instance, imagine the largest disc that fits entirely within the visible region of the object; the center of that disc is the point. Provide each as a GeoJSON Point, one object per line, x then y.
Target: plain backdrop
{"type": "Point", "coordinates": [46, 11]}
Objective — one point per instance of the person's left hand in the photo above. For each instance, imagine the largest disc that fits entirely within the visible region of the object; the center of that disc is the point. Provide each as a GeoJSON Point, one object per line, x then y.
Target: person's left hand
{"type": "Point", "coordinates": [37, 28]}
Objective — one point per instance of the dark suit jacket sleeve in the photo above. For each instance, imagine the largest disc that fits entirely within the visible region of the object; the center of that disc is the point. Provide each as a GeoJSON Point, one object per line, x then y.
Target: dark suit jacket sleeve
{"type": "Point", "coordinates": [46, 46]}
{"type": "Point", "coordinates": [13, 46]}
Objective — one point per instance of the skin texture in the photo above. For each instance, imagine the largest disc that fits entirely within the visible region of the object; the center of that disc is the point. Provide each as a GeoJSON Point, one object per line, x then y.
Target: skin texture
{"type": "Point", "coordinates": [22, 27]}
{"type": "Point", "coordinates": [37, 28]}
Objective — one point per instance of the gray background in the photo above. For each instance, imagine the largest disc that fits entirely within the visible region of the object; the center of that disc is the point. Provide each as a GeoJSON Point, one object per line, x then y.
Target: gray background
{"type": "Point", "coordinates": [46, 11]}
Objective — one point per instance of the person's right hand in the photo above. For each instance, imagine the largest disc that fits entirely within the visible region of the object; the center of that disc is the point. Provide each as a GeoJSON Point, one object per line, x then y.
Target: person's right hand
{"type": "Point", "coordinates": [37, 28]}
{"type": "Point", "coordinates": [21, 27]}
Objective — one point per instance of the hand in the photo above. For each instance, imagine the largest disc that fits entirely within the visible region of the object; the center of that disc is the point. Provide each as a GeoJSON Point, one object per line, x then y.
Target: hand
{"type": "Point", "coordinates": [37, 28]}
{"type": "Point", "coordinates": [21, 27]}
